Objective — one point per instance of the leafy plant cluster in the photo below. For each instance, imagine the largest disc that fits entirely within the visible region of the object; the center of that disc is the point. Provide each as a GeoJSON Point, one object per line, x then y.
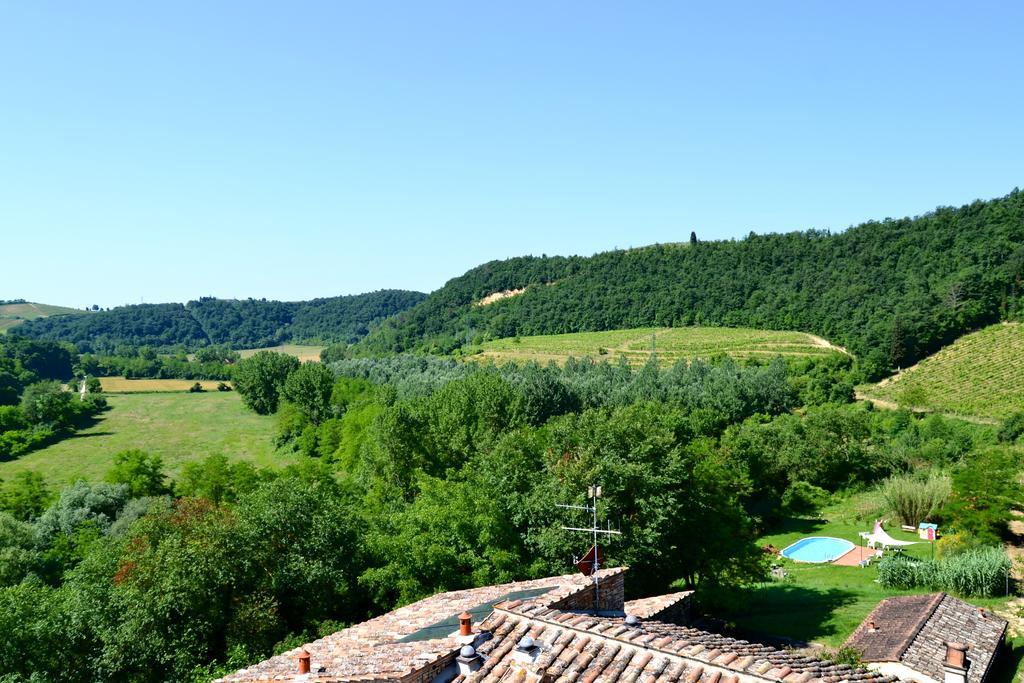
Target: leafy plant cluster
{"type": "Point", "coordinates": [980, 573]}
{"type": "Point", "coordinates": [234, 323]}
{"type": "Point", "coordinates": [890, 291]}
{"type": "Point", "coordinates": [425, 475]}
{"type": "Point", "coordinates": [210, 362]}
{"type": "Point", "coordinates": [915, 498]}
{"type": "Point", "coordinates": [34, 406]}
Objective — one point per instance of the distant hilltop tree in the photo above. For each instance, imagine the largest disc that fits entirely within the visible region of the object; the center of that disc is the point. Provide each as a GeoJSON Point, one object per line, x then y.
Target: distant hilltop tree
{"type": "Point", "coordinates": [693, 237]}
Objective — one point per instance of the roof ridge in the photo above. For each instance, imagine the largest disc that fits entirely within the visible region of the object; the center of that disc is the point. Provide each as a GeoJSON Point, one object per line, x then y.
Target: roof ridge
{"type": "Point", "coordinates": [724, 663]}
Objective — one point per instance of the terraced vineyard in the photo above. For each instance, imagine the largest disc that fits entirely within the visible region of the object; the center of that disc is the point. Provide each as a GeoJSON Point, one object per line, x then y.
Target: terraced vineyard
{"type": "Point", "coordinates": [671, 344]}
{"type": "Point", "coordinates": [979, 375]}
{"type": "Point", "coordinates": [15, 314]}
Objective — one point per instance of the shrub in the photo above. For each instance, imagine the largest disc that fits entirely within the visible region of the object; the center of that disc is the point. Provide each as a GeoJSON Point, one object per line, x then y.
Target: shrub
{"type": "Point", "coordinates": [221, 386]}
{"type": "Point", "coordinates": [913, 498]}
{"type": "Point", "coordinates": [974, 573]}
{"type": "Point", "coordinates": [196, 388]}
{"type": "Point", "coordinates": [1013, 428]}
{"type": "Point", "coordinates": [804, 497]}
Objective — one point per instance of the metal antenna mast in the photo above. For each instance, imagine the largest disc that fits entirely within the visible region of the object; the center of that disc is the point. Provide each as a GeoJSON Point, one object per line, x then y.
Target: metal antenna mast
{"type": "Point", "coordinates": [593, 494]}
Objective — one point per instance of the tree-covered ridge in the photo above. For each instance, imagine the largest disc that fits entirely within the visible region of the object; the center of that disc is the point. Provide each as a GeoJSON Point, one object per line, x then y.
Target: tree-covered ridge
{"type": "Point", "coordinates": [890, 291]}
{"type": "Point", "coordinates": [235, 323]}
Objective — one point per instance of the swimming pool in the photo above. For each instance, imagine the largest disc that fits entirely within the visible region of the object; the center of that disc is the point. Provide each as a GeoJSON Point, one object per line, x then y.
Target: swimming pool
{"type": "Point", "coordinates": [817, 549]}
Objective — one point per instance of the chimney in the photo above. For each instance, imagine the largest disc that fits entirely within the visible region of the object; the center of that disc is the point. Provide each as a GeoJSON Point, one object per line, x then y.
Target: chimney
{"type": "Point", "coordinates": [468, 660]}
{"type": "Point", "coordinates": [303, 661]}
{"type": "Point", "coordinates": [955, 666]}
{"type": "Point", "coordinates": [871, 627]}
{"type": "Point", "coordinates": [465, 624]}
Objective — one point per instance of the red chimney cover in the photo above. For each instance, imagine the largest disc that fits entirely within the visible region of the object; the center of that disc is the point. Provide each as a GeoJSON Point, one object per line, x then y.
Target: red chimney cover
{"type": "Point", "coordinates": [586, 563]}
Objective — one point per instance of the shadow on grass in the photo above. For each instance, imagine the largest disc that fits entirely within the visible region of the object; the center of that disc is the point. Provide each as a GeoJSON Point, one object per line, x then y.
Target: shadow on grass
{"type": "Point", "coordinates": [783, 609]}
{"type": "Point", "coordinates": [79, 435]}
{"type": "Point", "coordinates": [1007, 665]}
{"type": "Point", "coordinates": [796, 525]}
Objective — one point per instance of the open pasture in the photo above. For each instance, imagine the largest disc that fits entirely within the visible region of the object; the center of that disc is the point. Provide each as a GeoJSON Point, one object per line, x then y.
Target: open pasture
{"type": "Point", "coordinates": [179, 427]}
{"type": "Point", "coordinates": [120, 385]}
{"type": "Point", "coordinates": [979, 375]}
{"type": "Point", "coordinates": [671, 345]}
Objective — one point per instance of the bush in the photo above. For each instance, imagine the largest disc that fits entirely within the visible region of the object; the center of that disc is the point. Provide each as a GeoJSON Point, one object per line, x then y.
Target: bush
{"type": "Point", "coordinates": [196, 388]}
{"type": "Point", "coordinates": [979, 573]}
{"type": "Point", "coordinates": [221, 386]}
{"type": "Point", "coordinates": [913, 498]}
{"type": "Point", "coordinates": [1013, 428]}
{"type": "Point", "coordinates": [804, 497]}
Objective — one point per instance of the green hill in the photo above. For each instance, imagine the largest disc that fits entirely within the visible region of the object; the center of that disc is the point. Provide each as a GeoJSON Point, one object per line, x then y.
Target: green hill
{"type": "Point", "coordinates": [671, 345]}
{"type": "Point", "coordinates": [891, 291]}
{"type": "Point", "coordinates": [238, 323]}
{"type": "Point", "coordinates": [14, 314]}
{"type": "Point", "coordinates": [979, 375]}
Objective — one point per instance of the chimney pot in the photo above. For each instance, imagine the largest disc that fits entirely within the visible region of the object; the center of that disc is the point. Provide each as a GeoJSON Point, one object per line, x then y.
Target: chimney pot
{"type": "Point", "coordinates": [956, 654]}
{"type": "Point", "coordinates": [303, 661]}
{"type": "Point", "coordinates": [465, 624]}
{"type": "Point", "coordinates": [872, 627]}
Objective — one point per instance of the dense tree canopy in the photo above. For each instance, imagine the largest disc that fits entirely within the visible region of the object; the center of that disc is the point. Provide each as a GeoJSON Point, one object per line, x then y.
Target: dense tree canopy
{"type": "Point", "coordinates": [890, 291]}
{"type": "Point", "coordinates": [238, 324]}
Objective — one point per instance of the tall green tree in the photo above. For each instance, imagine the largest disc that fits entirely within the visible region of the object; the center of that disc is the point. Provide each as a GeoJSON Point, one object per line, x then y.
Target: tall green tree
{"type": "Point", "coordinates": [260, 379]}
{"type": "Point", "coordinates": [309, 389]}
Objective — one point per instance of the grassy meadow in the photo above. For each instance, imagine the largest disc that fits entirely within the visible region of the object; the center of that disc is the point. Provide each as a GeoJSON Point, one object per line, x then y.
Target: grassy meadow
{"type": "Point", "coordinates": [14, 314]}
{"type": "Point", "coordinates": [672, 344]}
{"type": "Point", "coordinates": [979, 375]}
{"type": "Point", "coordinates": [120, 385]}
{"type": "Point", "coordinates": [177, 426]}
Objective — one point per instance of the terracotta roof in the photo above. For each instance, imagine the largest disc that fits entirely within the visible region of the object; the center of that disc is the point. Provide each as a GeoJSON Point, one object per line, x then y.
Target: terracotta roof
{"type": "Point", "coordinates": [897, 622]}
{"type": "Point", "coordinates": [572, 646]}
{"type": "Point", "coordinates": [656, 606]}
{"type": "Point", "coordinates": [600, 649]}
{"type": "Point", "coordinates": [372, 649]}
{"type": "Point", "coordinates": [919, 627]}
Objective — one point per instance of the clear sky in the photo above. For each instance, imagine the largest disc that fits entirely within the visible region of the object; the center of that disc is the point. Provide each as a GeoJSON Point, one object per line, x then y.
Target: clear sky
{"type": "Point", "coordinates": [289, 150]}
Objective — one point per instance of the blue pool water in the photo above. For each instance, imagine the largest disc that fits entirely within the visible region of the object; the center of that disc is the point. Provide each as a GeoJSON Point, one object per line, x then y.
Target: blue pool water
{"type": "Point", "coordinates": [817, 549]}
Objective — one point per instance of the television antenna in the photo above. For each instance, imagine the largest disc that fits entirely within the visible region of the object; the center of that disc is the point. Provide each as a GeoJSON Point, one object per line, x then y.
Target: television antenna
{"type": "Point", "coordinates": [590, 563]}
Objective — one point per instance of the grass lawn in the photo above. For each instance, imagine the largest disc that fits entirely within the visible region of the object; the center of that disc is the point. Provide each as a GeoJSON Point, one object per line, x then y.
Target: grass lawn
{"type": "Point", "coordinates": [177, 426]}
{"type": "Point", "coordinates": [824, 603]}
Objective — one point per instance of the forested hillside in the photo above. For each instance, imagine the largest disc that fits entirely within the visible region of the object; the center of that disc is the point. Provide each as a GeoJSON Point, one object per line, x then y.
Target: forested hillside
{"type": "Point", "coordinates": [890, 291]}
{"type": "Point", "coordinates": [235, 323]}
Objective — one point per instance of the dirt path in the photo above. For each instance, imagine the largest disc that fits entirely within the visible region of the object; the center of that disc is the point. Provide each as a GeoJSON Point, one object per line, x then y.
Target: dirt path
{"type": "Point", "coordinates": [891, 405]}
{"type": "Point", "coordinates": [826, 344]}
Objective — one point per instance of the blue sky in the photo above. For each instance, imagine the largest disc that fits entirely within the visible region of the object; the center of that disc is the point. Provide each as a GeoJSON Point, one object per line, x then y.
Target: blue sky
{"type": "Point", "coordinates": [293, 150]}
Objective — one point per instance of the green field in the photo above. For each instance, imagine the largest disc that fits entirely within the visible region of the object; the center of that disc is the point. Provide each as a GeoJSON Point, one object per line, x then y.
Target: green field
{"type": "Point", "coordinates": [177, 426]}
{"type": "Point", "coordinates": [672, 344]}
{"type": "Point", "coordinates": [120, 385]}
{"type": "Point", "coordinates": [300, 351]}
{"type": "Point", "coordinates": [979, 375]}
{"type": "Point", "coordinates": [15, 314]}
